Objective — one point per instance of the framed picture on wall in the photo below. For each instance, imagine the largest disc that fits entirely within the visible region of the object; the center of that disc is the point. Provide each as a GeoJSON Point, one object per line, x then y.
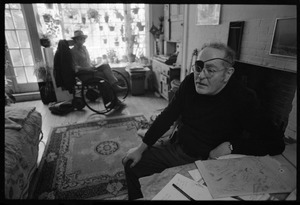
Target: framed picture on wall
{"type": "Point", "coordinates": [208, 14]}
{"type": "Point", "coordinates": [284, 42]}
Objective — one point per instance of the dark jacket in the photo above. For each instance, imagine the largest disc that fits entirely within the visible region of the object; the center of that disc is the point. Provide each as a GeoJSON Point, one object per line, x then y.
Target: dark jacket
{"type": "Point", "coordinates": [63, 67]}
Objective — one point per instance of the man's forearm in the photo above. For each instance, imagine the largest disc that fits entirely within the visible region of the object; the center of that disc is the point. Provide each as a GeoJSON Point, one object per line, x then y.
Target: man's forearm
{"type": "Point", "coordinates": [142, 147]}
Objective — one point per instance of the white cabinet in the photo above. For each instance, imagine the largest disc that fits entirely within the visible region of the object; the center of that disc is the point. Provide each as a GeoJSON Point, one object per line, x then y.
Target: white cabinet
{"type": "Point", "coordinates": [164, 74]}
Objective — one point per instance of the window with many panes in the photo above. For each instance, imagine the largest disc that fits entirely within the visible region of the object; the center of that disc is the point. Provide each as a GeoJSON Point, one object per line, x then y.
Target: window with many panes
{"type": "Point", "coordinates": [114, 30]}
{"type": "Point", "coordinates": [17, 45]}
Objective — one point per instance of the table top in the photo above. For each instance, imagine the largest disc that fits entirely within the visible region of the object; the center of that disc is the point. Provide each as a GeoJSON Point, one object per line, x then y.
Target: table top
{"type": "Point", "coordinates": [151, 185]}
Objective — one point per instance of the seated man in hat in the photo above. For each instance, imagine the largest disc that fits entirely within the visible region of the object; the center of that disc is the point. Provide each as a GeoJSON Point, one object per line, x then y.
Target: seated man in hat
{"type": "Point", "coordinates": [82, 63]}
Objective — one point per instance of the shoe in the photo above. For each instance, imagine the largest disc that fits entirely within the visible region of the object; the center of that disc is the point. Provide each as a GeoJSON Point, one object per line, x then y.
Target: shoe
{"type": "Point", "coordinates": [118, 88]}
{"type": "Point", "coordinates": [120, 105]}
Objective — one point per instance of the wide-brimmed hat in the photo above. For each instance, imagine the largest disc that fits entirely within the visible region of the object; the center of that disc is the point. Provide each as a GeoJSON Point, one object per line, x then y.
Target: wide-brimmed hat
{"type": "Point", "coordinates": [79, 33]}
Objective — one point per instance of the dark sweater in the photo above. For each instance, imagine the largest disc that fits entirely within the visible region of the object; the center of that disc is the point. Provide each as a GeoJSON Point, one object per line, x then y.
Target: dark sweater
{"type": "Point", "coordinates": [232, 115]}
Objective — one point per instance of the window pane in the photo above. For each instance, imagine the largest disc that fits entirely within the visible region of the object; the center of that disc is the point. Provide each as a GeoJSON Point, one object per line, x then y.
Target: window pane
{"type": "Point", "coordinates": [8, 20]}
{"type": "Point", "coordinates": [27, 57]}
{"type": "Point", "coordinates": [11, 39]}
{"type": "Point", "coordinates": [23, 38]}
{"type": "Point", "coordinates": [100, 37]}
{"type": "Point", "coordinates": [16, 57]}
{"type": "Point", "coordinates": [15, 6]}
{"type": "Point", "coordinates": [30, 76]}
{"type": "Point", "coordinates": [20, 75]}
{"type": "Point", "coordinates": [18, 19]}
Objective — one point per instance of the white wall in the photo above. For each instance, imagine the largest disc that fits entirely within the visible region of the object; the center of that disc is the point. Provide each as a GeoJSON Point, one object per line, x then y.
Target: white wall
{"type": "Point", "coordinates": [257, 35]}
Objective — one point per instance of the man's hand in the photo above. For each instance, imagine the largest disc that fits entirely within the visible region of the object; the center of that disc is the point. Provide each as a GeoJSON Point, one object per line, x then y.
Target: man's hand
{"type": "Point", "coordinates": [222, 149]}
{"type": "Point", "coordinates": [134, 154]}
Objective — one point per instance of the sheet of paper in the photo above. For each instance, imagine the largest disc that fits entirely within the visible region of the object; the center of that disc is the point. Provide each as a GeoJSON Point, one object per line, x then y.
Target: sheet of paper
{"type": "Point", "coordinates": [242, 176]}
{"type": "Point", "coordinates": [230, 156]}
{"type": "Point", "coordinates": [189, 186]}
{"type": "Point", "coordinates": [195, 174]}
{"type": "Point", "coordinates": [292, 196]}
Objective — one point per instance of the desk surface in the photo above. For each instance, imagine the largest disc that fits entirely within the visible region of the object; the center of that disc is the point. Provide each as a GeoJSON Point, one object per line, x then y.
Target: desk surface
{"type": "Point", "coordinates": [151, 185]}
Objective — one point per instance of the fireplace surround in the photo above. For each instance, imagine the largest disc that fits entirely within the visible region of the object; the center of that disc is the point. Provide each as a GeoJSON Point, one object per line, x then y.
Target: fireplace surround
{"type": "Point", "coordinates": [274, 88]}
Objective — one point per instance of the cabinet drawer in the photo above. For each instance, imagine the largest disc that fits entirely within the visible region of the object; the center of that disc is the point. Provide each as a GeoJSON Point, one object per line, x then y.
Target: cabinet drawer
{"type": "Point", "coordinates": [164, 90]}
{"type": "Point", "coordinates": [156, 66]}
{"type": "Point", "coordinates": [165, 70]}
{"type": "Point", "coordinates": [164, 79]}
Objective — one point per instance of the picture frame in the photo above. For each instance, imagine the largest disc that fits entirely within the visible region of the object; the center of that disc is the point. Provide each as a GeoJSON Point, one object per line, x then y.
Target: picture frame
{"type": "Point", "coordinates": [284, 40]}
{"type": "Point", "coordinates": [208, 14]}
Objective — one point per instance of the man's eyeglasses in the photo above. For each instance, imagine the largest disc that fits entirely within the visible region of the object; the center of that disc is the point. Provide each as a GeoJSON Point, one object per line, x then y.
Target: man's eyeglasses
{"type": "Point", "coordinates": [208, 72]}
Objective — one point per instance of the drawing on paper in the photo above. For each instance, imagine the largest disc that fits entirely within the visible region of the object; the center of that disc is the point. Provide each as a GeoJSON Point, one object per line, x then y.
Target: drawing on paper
{"type": "Point", "coordinates": [242, 176]}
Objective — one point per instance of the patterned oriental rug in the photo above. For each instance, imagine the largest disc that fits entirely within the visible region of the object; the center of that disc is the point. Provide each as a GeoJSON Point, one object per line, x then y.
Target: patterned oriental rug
{"type": "Point", "coordinates": [83, 161]}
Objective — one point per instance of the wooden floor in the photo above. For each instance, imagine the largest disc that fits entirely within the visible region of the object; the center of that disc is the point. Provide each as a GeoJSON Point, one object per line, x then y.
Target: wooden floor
{"type": "Point", "coordinates": [147, 104]}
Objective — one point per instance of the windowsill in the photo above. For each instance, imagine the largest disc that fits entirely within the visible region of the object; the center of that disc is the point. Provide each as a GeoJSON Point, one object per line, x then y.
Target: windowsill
{"type": "Point", "coordinates": [119, 65]}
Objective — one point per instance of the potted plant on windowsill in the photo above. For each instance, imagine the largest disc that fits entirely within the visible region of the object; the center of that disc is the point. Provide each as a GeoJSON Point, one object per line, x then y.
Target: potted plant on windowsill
{"type": "Point", "coordinates": [111, 55]}
{"type": "Point", "coordinates": [42, 72]}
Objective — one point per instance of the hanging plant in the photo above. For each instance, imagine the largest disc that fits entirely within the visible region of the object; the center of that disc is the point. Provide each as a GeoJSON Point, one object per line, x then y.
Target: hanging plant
{"type": "Point", "coordinates": [45, 42]}
{"type": "Point", "coordinates": [111, 28]}
{"type": "Point", "coordinates": [122, 30]}
{"type": "Point", "coordinates": [93, 14]}
{"type": "Point", "coordinates": [140, 26]}
{"type": "Point", "coordinates": [47, 18]}
{"type": "Point", "coordinates": [106, 17]}
{"type": "Point", "coordinates": [117, 43]}
{"type": "Point", "coordinates": [135, 10]}
{"type": "Point", "coordinates": [133, 37]}
{"type": "Point", "coordinates": [71, 12]}
{"type": "Point", "coordinates": [83, 19]}
{"type": "Point", "coordinates": [119, 15]}
{"type": "Point", "coordinates": [49, 6]}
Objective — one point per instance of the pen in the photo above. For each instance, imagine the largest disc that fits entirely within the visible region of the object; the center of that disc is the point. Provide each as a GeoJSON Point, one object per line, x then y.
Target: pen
{"type": "Point", "coordinates": [181, 191]}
